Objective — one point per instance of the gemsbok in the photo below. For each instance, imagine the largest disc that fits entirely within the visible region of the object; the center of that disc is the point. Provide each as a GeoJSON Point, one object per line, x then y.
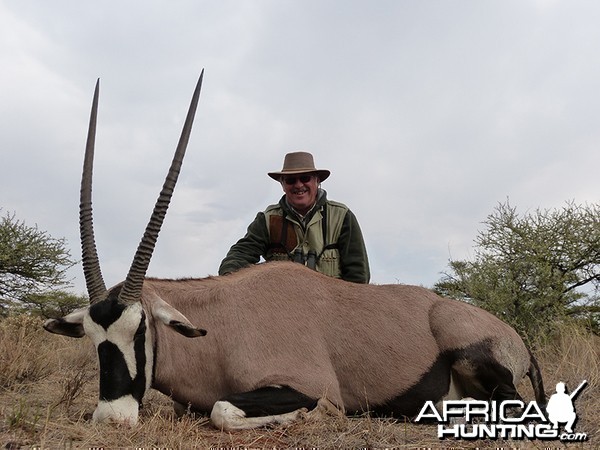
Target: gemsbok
{"type": "Point", "coordinates": [282, 340]}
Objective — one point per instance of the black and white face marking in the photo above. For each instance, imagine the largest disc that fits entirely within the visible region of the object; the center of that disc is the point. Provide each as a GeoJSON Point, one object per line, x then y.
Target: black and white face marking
{"type": "Point", "coordinates": [123, 342]}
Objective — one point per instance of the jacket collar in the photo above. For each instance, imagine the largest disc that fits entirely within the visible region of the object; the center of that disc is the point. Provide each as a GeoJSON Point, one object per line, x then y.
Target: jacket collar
{"type": "Point", "coordinates": [290, 211]}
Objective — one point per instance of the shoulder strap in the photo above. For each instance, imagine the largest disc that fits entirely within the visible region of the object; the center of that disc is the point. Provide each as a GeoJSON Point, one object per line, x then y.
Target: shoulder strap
{"type": "Point", "coordinates": [324, 224]}
{"type": "Point", "coordinates": [280, 236]}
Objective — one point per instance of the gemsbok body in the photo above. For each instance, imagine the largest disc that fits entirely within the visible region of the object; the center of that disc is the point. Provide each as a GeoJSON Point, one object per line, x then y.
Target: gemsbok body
{"type": "Point", "coordinates": [281, 339]}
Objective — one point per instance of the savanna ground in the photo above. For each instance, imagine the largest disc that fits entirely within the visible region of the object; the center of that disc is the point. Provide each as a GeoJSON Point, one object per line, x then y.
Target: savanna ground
{"type": "Point", "coordinates": [48, 390]}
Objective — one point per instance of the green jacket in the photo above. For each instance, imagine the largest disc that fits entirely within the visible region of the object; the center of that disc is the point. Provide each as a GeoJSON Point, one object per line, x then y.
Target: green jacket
{"type": "Point", "coordinates": [278, 233]}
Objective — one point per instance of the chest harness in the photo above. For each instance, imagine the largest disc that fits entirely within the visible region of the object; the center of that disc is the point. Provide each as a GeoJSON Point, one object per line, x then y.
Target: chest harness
{"type": "Point", "coordinates": [284, 240]}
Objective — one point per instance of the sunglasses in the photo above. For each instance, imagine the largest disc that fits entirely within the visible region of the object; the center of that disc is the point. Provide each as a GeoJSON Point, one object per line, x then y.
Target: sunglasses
{"type": "Point", "coordinates": [292, 180]}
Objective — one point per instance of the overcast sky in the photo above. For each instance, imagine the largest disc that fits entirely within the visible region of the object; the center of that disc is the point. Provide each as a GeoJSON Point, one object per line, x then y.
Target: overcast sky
{"type": "Point", "coordinates": [427, 113]}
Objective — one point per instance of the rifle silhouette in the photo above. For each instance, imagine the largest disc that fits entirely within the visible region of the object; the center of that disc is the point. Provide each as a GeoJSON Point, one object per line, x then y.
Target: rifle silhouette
{"type": "Point", "coordinates": [573, 394]}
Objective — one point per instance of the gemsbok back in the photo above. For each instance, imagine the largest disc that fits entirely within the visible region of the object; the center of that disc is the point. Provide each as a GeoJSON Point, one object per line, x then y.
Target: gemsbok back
{"type": "Point", "coordinates": [282, 340]}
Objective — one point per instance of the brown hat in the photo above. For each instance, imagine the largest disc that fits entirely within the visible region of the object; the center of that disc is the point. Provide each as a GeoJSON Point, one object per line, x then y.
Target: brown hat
{"type": "Point", "coordinates": [299, 162]}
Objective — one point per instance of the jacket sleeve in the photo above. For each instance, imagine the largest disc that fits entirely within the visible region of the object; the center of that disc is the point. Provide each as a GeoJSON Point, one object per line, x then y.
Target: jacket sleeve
{"type": "Point", "coordinates": [353, 252]}
{"type": "Point", "coordinates": [249, 249]}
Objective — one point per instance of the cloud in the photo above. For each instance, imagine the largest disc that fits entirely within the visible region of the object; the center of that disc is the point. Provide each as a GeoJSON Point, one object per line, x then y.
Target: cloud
{"type": "Point", "coordinates": [427, 113]}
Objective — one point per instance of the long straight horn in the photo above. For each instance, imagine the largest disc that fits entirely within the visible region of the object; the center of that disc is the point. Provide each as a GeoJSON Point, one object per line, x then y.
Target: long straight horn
{"type": "Point", "coordinates": [135, 278]}
{"type": "Point", "coordinates": [91, 265]}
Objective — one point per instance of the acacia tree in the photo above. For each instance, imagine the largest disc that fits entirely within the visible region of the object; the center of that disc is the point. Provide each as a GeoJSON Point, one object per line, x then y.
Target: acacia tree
{"type": "Point", "coordinates": [32, 263]}
{"type": "Point", "coordinates": [533, 270]}
{"type": "Point", "coordinates": [51, 304]}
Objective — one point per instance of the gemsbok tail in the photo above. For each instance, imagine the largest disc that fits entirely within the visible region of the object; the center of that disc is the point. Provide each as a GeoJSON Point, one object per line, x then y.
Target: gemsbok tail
{"type": "Point", "coordinates": [535, 376]}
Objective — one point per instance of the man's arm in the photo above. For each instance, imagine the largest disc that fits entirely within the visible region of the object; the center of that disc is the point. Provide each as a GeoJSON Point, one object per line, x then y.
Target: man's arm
{"type": "Point", "coordinates": [353, 252]}
{"type": "Point", "coordinates": [249, 249]}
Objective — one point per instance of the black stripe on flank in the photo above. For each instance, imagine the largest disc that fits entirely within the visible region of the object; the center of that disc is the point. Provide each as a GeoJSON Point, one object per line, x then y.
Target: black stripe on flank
{"type": "Point", "coordinates": [433, 385]}
{"type": "Point", "coordinates": [115, 381]}
{"type": "Point", "coordinates": [494, 382]}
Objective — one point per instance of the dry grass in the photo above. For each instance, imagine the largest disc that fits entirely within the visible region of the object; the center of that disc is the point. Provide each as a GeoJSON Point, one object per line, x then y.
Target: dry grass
{"type": "Point", "coordinates": [48, 389]}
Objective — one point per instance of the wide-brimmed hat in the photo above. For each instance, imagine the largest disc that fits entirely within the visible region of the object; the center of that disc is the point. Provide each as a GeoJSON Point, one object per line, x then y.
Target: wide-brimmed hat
{"type": "Point", "coordinates": [299, 162]}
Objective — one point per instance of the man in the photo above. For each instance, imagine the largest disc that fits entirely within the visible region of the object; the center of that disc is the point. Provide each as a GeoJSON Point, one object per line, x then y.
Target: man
{"type": "Point", "coordinates": [304, 227]}
{"type": "Point", "coordinates": [560, 408]}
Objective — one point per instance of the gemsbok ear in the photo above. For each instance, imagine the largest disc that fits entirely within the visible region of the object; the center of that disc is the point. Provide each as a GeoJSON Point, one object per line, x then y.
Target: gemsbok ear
{"type": "Point", "coordinates": [172, 318]}
{"type": "Point", "coordinates": [71, 325]}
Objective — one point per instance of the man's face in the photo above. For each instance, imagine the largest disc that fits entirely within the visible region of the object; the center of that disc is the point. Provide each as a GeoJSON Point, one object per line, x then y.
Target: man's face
{"type": "Point", "coordinates": [301, 190]}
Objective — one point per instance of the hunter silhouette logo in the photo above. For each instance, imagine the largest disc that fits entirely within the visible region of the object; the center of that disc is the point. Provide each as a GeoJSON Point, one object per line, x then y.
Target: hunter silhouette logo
{"type": "Point", "coordinates": [507, 419]}
{"type": "Point", "coordinates": [560, 407]}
